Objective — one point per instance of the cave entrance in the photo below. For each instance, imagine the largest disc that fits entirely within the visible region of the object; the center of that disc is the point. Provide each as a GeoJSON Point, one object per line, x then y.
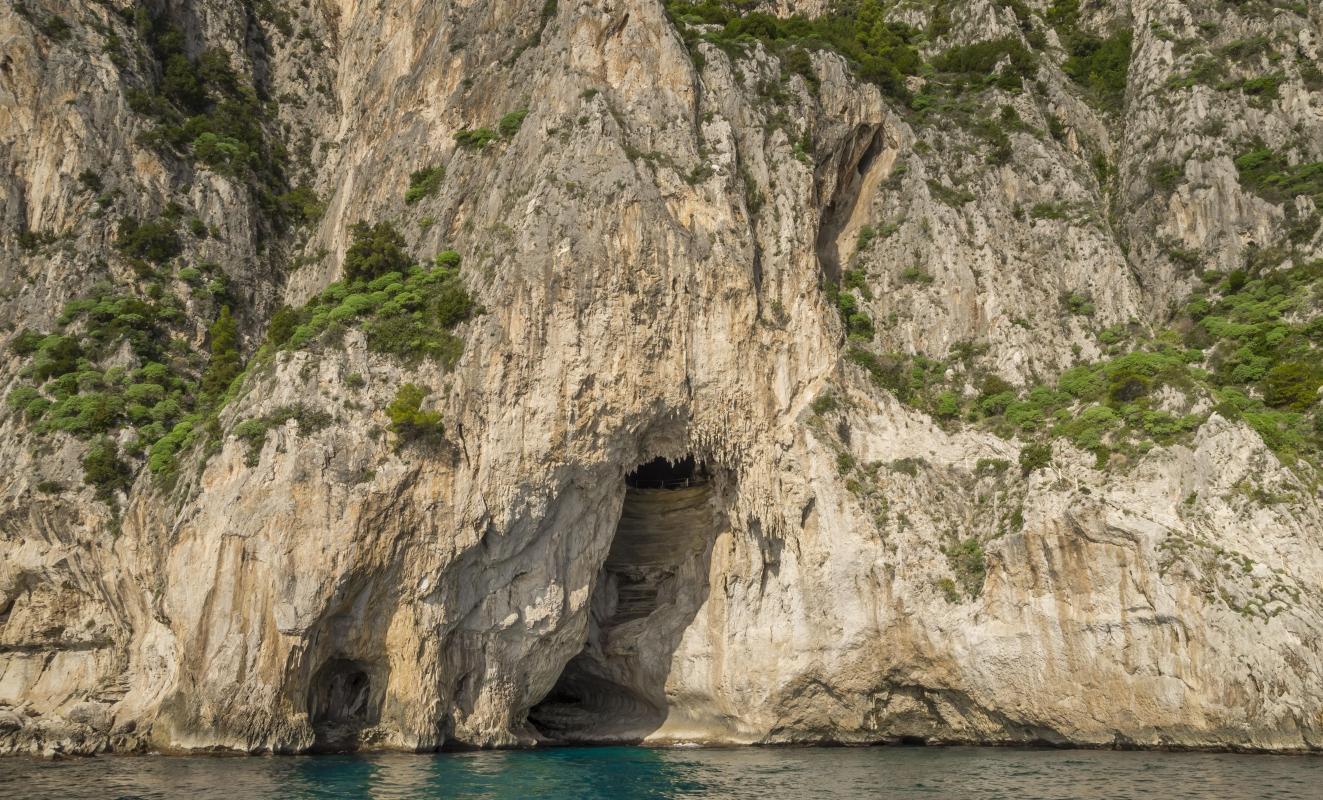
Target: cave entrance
{"type": "Point", "coordinates": [647, 593]}
{"type": "Point", "coordinates": [341, 704]}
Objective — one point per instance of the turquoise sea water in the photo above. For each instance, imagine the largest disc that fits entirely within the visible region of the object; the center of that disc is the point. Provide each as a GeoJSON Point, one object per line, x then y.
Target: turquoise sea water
{"type": "Point", "coordinates": [791, 773]}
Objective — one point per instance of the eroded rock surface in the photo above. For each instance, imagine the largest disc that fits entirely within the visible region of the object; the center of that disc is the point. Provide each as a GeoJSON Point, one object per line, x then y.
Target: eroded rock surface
{"type": "Point", "coordinates": [650, 247]}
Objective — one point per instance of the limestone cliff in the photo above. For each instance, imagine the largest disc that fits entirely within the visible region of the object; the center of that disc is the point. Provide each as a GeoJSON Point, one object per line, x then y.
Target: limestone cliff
{"type": "Point", "coordinates": [825, 373]}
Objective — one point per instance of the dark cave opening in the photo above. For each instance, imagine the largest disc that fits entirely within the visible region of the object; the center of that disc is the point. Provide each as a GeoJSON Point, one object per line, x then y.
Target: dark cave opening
{"type": "Point", "coordinates": [648, 591]}
{"type": "Point", "coordinates": [662, 473]}
{"type": "Point", "coordinates": [341, 703]}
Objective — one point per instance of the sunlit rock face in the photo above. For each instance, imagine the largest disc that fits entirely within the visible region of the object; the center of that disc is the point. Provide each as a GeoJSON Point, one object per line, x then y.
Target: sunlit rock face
{"type": "Point", "coordinates": [670, 503]}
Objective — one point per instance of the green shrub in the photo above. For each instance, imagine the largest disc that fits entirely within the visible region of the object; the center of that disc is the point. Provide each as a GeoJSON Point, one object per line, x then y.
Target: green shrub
{"type": "Point", "coordinates": [282, 326]}
{"type": "Point", "coordinates": [509, 124]}
{"type": "Point", "coordinates": [90, 180]}
{"type": "Point", "coordinates": [825, 403]}
{"type": "Point", "coordinates": [301, 204]}
{"type": "Point", "coordinates": [161, 459]}
{"type": "Point", "coordinates": [949, 590]}
{"type": "Point", "coordinates": [1167, 175]}
{"type": "Point", "coordinates": [1100, 65]}
{"type": "Point", "coordinates": [967, 562]}
{"type": "Point", "coordinates": [56, 355]}
{"type": "Point", "coordinates": [1052, 211]}
{"type": "Point", "coordinates": [21, 397]}
{"type": "Point", "coordinates": [154, 241]}
{"type": "Point", "coordinates": [451, 303]}
{"type": "Point", "coordinates": [1078, 303]}
{"type": "Point", "coordinates": [225, 364]}
{"type": "Point", "coordinates": [409, 338]}
{"type": "Point", "coordinates": [980, 61]}
{"type": "Point", "coordinates": [375, 250]}
{"type": "Point", "coordinates": [916, 275]}
{"type": "Point", "coordinates": [1293, 385]}
{"type": "Point", "coordinates": [907, 466]}
{"type": "Point", "coordinates": [26, 342]}
{"type": "Point", "coordinates": [890, 372]}
{"type": "Point", "coordinates": [1264, 88]}
{"type": "Point", "coordinates": [1087, 429]}
{"type": "Point", "coordinates": [407, 419]}
{"type": "Point", "coordinates": [947, 405]}
{"type": "Point", "coordinates": [1269, 175]}
{"type": "Point", "coordinates": [226, 154]}
{"type": "Point", "coordinates": [1035, 456]}
{"type": "Point", "coordinates": [866, 235]}
{"type": "Point", "coordinates": [881, 51]}
{"type": "Point", "coordinates": [424, 183]}
{"type": "Point", "coordinates": [105, 471]}
{"type": "Point", "coordinates": [951, 196]}
{"type": "Point", "coordinates": [252, 432]}
{"type": "Point", "coordinates": [406, 313]}
{"type": "Point", "coordinates": [475, 139]}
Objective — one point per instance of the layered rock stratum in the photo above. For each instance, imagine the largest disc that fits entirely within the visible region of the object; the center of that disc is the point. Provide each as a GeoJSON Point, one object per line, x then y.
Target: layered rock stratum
{"type": "Point", "coordinates": [981, 339]}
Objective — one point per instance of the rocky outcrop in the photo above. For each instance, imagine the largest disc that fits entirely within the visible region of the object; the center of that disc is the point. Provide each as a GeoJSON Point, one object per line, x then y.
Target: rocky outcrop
{"type": "Point", "coordinates": [654, 245]}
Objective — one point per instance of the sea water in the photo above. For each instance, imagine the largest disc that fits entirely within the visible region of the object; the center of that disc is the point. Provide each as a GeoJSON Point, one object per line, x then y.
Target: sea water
{"type": "Point", "coordinates": [779, 773]}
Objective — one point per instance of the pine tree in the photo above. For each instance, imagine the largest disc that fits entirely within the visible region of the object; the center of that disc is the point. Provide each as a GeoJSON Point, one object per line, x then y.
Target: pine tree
{"type": "Point", "coordinates": [225, 364]}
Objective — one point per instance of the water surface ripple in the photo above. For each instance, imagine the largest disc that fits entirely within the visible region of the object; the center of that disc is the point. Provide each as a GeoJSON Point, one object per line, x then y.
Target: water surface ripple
{"type": "Point", "coordinates": [877, 773]}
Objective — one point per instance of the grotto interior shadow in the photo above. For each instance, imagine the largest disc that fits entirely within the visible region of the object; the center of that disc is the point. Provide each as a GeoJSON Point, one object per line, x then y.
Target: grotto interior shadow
{"type": "Point", "coordinates": [343, 701]}
{"type": "Point", "coordinates": [647, 593]}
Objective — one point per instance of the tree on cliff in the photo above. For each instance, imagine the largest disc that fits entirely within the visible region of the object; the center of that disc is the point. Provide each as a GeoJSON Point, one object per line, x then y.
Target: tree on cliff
{"type": "Point", "coordinates": [225, 364]}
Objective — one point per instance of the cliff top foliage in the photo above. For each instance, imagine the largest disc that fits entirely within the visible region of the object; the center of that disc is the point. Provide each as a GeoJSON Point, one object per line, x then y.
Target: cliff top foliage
{"type": "Point", "coordinates": [882, 51]}
{"type": "Point", "coordinates": [205, 110]}
{"type": "Point", "coordinates": [117, 364]}
{"type": "Point", "coordinates": [1246, 346]}
{"type": "Point", "coordinates": [407, 310]}
{"type": "Point", "coordinates": [885, 50]}
{"type": "Point", "coordinates": [1099, 64]}
{"type": "Point", "coordinates": [1270, 175]}
{"type": "Point", "coordinates": [121, 364]}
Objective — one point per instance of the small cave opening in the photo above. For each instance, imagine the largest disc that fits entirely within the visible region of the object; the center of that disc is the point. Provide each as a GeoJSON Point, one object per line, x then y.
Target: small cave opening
{"type": "Point", "coordinates": [341, 703]}
{"type": "Point", "coordinates": [647, 593]}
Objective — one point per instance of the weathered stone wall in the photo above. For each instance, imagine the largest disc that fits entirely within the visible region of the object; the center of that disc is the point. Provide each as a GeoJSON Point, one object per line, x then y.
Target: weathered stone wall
{"type": "Point", "coordinates": [637, 304]}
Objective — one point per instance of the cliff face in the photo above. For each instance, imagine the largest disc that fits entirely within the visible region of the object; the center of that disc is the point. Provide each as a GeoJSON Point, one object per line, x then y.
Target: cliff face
{"type": "Point", "coordinates": [998, 370]}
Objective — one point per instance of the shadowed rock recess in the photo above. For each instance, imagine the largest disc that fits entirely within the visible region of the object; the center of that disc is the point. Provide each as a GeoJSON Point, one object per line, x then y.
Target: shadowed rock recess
{"type": "Point", "coordinates": [646, 595]}
{"type": "Point", "coordinates": [408, 375]}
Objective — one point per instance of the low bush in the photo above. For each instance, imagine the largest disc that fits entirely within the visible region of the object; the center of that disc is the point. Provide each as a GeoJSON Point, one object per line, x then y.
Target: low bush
{"type": "Point", "coordinates": [424, 183]}
{"type": "Point", "coordinates": [155, 240]}
{"type": "Point", "coordinates": [375, 250]}
{"type": "Point", "coordinates": [475, 139]}
{"type": "Point", "coordinates": [1034, 456]}
{"type": "Point", "coordinates": [510, 123]}
{"type": "Point", "coordinates": [1269, 175]}
{"type": "Point", "coordinates": [407, 419]}
{"type": "Point", "coordinates": [1101, 66]}
{"type": "Point", "coordinates": [967, 561]}
{"type": "Point", "coordinates": [882, 51]}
